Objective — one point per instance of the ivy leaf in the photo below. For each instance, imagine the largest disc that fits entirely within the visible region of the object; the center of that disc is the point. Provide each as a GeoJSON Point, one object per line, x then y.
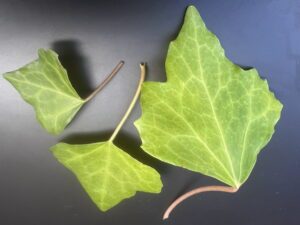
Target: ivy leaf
{"type": "Point", "coordinates": [45, 85]}
{"type": "Point", "coordinates": [210, 116]}
{"type": "Point", "coordinates": [107, 173]}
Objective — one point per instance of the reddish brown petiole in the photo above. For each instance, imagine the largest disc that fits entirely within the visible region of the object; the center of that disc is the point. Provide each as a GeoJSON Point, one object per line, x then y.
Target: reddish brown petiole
{"type": "Point", "coordinates": [105, 81]}
{"type": "Point", "coordinates": [197, 191]}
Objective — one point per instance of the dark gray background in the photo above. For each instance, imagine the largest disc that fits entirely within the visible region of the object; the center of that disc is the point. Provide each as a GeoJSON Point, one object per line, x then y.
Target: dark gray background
{"type": "Point", "coordinates": [91, 37]}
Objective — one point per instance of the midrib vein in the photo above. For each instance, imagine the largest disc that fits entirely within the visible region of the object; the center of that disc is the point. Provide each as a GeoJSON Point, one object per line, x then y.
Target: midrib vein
{"type": "Point", "coordinates": [212, 108]}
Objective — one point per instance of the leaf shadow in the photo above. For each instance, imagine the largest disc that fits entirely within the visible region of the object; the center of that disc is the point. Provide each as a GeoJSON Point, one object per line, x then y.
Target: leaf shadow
{"type": "Point", "coordinates": [72, 58]}
{"type": "Point", "coordinates": [244, 67]}
{"type": "Point", "coordinates": [124, 141]}
{"type": "Point", "coordinates": [76, 63]}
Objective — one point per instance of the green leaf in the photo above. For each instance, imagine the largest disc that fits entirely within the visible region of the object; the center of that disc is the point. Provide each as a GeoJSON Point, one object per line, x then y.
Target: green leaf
{"type": "Point", "coordinates": [45, 85]}
{"type": "Point", "coordinates": [210, 116]}
{"type": "Point", "coordinates": [107, 173]}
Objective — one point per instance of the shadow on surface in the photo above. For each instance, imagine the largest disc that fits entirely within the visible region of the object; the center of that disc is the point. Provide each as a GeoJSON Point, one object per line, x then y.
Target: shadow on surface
{"type": "Point", "coordinates": [244, 67]}
{"type": "Point", "coordinates": [74, 61]}
{"type": "Point", "coordinates": [127, 143]}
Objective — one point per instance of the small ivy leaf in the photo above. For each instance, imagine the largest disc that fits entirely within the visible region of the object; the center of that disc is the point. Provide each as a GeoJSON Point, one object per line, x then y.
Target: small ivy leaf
{"type": "Point", "coordinates": [210, 116]}
{"type": "Point", "coordinates": [107, 173]}
{"type": "Point", "coordinates": [45, 85]}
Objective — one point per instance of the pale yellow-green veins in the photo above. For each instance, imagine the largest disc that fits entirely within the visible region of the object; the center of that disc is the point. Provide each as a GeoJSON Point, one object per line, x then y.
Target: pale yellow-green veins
{"type": "Point", "coordinates": [210, 116]}
{"type": "Point", "coordinates": [107, 173]}
{"type": "Point", "coordinates": [45, 85]}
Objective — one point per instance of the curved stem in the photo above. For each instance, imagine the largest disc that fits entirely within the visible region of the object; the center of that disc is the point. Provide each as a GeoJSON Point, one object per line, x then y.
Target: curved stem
{"type": "Point", "coordinates": [105, 81]}
{"type": "Point", "coordinates": [135, 97]}
{"type": "Point", "coordinates": [197, 191]}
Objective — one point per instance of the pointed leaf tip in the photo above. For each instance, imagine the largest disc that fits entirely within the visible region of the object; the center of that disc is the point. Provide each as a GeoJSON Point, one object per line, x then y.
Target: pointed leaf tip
{"type": "Point", "coordinates": [210, 116]}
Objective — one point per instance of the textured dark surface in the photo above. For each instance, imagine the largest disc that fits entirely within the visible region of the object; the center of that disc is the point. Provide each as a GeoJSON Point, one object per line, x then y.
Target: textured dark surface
{"type": "Point", "coordinates": [91, 37]}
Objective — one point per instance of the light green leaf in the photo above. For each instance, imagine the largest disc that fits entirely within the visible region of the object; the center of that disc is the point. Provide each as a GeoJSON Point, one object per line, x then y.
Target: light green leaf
{"type": "Point", "coordinates": [45, 85]}
{"type": "Point", "coordinates": [107, 173]}
{"type": "Point", "coordinates": [210, 116]}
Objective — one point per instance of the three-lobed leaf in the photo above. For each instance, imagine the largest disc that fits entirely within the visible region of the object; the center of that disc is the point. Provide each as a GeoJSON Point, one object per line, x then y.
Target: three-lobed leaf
{"type": "Point", "coordinates": [107, 173]}
{"type": "Point", "coordinates": [45, 85]}
{"type": "Point", "coordinates": [210, 116]}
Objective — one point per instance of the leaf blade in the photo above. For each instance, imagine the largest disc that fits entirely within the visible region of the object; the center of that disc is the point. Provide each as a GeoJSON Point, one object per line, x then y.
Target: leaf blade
{"type": "Point", "coordinates": [45, 85]}
{"type": "Point", "coordinates": [107, 173]}
{"type": "Point", "coordinates": [200, 119]}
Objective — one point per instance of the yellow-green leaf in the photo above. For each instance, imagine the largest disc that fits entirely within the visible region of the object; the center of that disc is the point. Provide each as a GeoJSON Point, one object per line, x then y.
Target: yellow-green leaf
{"type": "Point", "coordinates": [45, 85]}
{"type": "Point", "coordinates": [211, 116]}
{"type": "Point", "coordinates": [107, 173]}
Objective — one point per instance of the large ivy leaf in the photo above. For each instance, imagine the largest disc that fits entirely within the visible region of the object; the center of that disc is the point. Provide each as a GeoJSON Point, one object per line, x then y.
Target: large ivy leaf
{"type": "Point", "coordinates": [108, 174]}
{"type": "Point", "coordinates": [210, 116]}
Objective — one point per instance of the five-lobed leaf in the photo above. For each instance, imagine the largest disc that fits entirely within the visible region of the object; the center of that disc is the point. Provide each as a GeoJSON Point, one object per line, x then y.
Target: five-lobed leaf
{"type": "Point", "coordinates": [107, 173]}
{"type": "Point", "coordinates": [45, 85]}
{"type": "Point", "coordinates": [210, 116]}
